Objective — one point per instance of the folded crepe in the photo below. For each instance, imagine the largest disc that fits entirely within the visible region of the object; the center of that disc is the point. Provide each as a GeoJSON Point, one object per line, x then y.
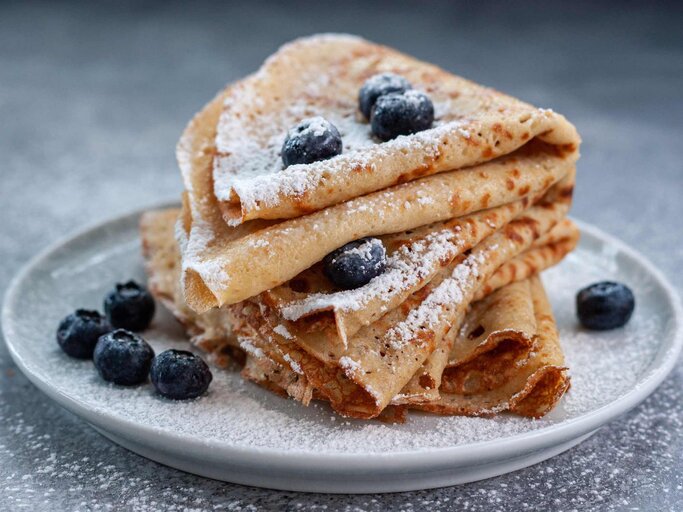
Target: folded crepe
{"type": "Point", "coordinates": [321, 75]}
{"type": "Point", "coordinates": [468, 211]}
{"type": "Point", "coordinates": [485, 150]}
{"type": "Point", "coordinates": [308, 361]}
{"type": "Point", "coordinates": [510, 358]}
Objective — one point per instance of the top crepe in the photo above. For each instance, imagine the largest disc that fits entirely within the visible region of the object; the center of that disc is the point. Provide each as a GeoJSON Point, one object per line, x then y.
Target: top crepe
{"type": "Point", "coordinates": [321, 75]}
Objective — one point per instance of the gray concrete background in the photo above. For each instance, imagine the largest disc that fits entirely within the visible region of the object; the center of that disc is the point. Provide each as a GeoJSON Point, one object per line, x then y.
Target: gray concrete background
{"type": "Point", "coordinates": [93, 98]}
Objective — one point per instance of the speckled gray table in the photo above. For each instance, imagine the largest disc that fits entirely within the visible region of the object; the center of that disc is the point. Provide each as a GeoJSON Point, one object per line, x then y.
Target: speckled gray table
{"type": "Point", "coordinates": [92, 100]}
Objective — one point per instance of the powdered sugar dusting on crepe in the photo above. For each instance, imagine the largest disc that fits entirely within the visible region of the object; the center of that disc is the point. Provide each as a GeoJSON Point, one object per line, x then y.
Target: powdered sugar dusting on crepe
{"type": "Point", "coordinates": [262, 179]}
{"type": "Point", "coordinates": [349, 365]}
{"type": "Point", "coordinates": [194, 256]}
{"type": "Point", "coordinates": [406, 267]}
{"type": "Point", "coordinates": [296, 367]}
{"type": "Point", "coordinates": [282, 331]}
{"type": "Point", "coordinates": [249, 347]}
{"type": "Point", "coordinates": [447, 294]}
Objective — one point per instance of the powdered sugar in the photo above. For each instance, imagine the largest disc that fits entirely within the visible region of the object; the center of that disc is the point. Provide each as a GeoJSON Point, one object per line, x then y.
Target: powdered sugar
{"type": "Point", "coordinates": [365, 251]}
{"type": "Point", "coordinates": [428, 314]}
{"type": "Point", "coordinates": [262, 180]}
{"type": "Point", "coordinates": [249, 347]}
{"type": "Point", "coordinates": [294, 365]}
{"type": "Point", "coordinates": [349, 366]}
{"type": "Point", "coordinates": [282, 331]}
{"type": "Point", "coordinates": [195, 247]}
{"type": "Point", "coordinates": [314, 125]}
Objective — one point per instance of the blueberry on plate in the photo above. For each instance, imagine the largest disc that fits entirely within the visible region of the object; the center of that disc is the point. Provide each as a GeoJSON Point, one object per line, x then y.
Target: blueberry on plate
{"type": "Point", "coordinates": [355, 263]}
{"type": "Point", "coordinates": [179, 374]}
{"type": "Point", "coordinates": [604, 305]}
{"type": "Point", "coordinates": [129, 306]}
{"type": "Point", "coordinates": [311, 140]}
{"type": "Point", "coordinates": [379, 85]}
{"type": "Point", "coordinates": [401, 114]}
{"type": "Point", "coordinates": [78, 333]}
{"type": "Point", "coordinates": [123, 357]}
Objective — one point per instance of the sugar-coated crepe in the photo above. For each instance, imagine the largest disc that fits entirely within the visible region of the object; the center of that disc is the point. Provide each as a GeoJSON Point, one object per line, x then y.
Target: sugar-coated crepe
{"type": "Point", "coordinates": [502, 328]}
{"type": "Point", "coordinates": [361, 379]}
{"type": "Point", "coordinates": [224, 265]}
{"type": "Point", "coordinates": [321, 75]}
{"type": "Point", "coordinates": [414, 258]}
{"type": "Point", "coordinates": [327, 365]}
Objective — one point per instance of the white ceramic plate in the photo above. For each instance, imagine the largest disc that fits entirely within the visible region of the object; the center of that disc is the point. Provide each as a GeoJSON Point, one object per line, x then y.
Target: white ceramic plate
{"type": "Point", "coordinates": [241, 433]}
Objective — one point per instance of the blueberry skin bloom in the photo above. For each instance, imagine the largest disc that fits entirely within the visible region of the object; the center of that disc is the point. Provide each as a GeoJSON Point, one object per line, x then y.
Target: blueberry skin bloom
{"type": "Point", "coordinates": [179, 374]}
{"type": "Point", "coordinates": [129, 306]}
{"type": "Point", "coordinates": [379, 85]}
{"type": "Point", "coordinates": [123, 357]}
{"type": "Point", "coordinates": [356, 263]}
{"type": "Point", "coordinates": [605, 305]}
{"type": "Point", "coordinates": [401, 114]}
{"type": "Point", "coordinates": [311, 140]}
{"type": "Point", "coordinates": [78, 333]}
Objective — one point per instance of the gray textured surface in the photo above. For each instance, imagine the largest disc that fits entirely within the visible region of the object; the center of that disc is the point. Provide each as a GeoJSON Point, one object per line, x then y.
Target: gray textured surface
{"type": "Point", "coordinates": [92, 100]}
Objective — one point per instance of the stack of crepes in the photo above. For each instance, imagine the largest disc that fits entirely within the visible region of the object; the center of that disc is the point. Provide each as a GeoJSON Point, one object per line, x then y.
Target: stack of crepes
{"type": "Point", "coordinates": [469, 211]}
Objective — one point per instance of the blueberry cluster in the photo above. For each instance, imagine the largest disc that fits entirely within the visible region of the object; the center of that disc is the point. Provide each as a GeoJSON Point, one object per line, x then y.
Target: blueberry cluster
{"type": "Point", "coordinates": [123, 357]}
{"type": "Point", "coordinates": [380, 85]}
{"type": "Point", "coordinates": [388, 101]}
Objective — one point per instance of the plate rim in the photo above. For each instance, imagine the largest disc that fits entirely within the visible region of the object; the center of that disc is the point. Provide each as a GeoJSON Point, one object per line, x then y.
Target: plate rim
{"type": "Point", "coordinates": [306, 461]}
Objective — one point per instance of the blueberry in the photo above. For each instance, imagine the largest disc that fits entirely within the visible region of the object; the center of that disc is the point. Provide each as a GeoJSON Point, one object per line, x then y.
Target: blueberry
{"type": "Point", "coordinates": [179, 374]}
{"type": "Point", "coordinates": [355, 263]}
{"type": "Point", "coordinates": [123, 357]}
{"type": "Point", "coordinates": [129, 306]}
{"type": "Point", "coordinates": [604, 305]}
{"type": "Point", "coordinates": [78, 333]}
{"type": "Point", "coordinates": [311, 140]}
{"type": "Point", "coordinates": [379, 85]}
{"type": "Point", "coordinates": [401, 114]}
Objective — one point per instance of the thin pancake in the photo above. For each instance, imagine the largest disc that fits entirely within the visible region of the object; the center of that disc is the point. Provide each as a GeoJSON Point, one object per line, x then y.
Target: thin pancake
{"type": "Point", "coordinates": [530, 389]}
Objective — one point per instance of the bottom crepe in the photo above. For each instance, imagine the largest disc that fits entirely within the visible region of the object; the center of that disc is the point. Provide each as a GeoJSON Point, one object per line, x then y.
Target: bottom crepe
{"type": "Point", "coordinates": [504, 353]}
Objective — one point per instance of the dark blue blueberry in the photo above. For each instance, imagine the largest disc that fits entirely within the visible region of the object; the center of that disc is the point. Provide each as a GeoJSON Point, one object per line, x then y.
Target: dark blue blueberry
{"type": "Point", "coordinates": [78, 333]}
{"type": "Point", "coordinates": [179, 374]}
{"type": "Point", "coordinates": [604, 305]}
{"type": "Point", "coordinates": [311, 140]}
{"type": "Point", "coordinates": [401, 114]}
{"type": "Point", "coordinates": [129, 306]}
{"type": "Point", "coordinates": [355, 263]}
{"type": "Point", "coordinates": [379, 85]}
{"type": "Point", "coordinates": [123, 357]}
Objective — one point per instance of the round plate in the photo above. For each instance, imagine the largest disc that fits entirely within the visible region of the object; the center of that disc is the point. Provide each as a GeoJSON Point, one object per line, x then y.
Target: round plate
{"type": "Point", "coordinates": [241, 433]}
